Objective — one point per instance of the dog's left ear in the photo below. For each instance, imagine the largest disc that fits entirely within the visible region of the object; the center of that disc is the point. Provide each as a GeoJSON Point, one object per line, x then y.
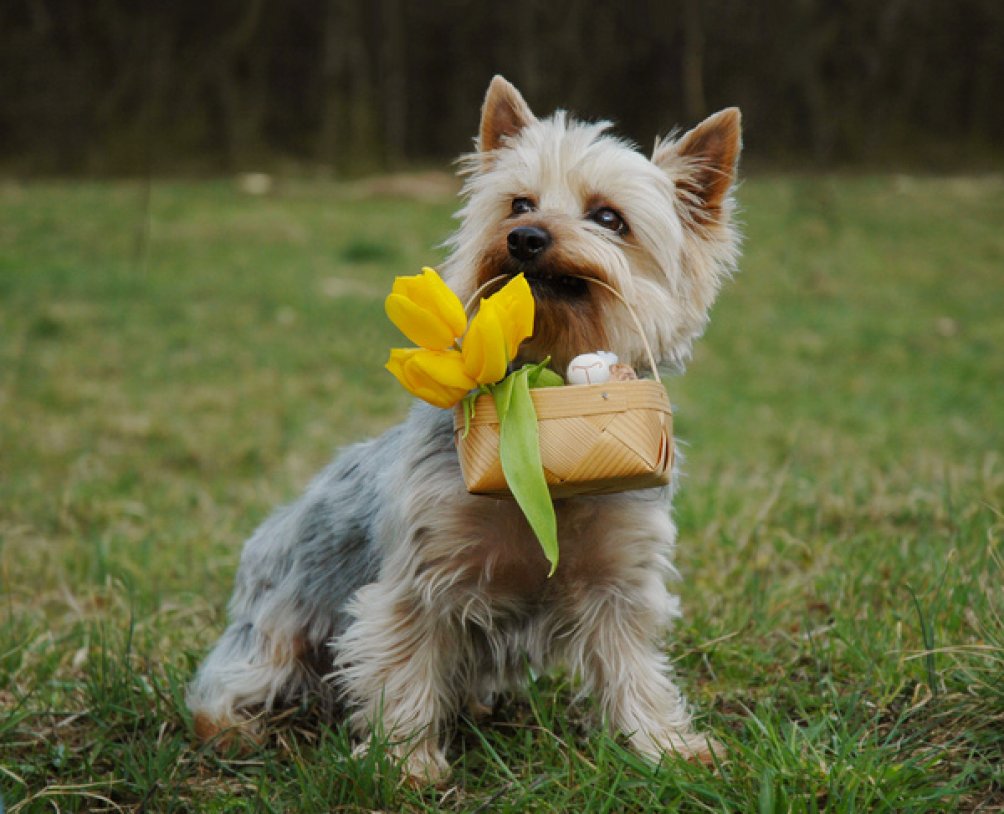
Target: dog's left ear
{"type": "Point", "coordinates": [503, 115]}
{"type": "Point", "coordinates": [703, 163]}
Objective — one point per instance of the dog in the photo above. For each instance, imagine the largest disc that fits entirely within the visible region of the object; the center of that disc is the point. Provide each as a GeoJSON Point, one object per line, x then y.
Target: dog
{"type": "Point", "coordinates": [391, 591]}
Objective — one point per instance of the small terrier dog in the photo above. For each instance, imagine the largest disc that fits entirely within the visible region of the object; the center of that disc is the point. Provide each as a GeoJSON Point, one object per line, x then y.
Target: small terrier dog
{"type": "Point", "coordinates": [389, 588]}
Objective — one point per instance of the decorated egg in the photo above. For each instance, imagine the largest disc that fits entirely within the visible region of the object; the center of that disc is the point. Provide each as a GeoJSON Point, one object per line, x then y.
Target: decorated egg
{"type": "Point", "coordinates": [589, 368]}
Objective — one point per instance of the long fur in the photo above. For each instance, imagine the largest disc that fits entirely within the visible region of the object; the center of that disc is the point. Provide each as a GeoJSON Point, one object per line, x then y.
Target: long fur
{"type": "Point", "coordinates": [388, 588]}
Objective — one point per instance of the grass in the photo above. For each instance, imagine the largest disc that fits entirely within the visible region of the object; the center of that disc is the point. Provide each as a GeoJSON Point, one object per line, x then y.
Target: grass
{"type": "Point", "coordinates": [841, 517]}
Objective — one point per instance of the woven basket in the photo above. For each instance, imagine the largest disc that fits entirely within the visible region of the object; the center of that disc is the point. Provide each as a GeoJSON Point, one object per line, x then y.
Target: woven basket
{"type": "Point", "coordinates": [594, 438]}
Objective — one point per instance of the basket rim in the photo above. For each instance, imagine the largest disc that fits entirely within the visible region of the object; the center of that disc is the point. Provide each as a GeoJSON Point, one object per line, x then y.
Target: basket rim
{"type": "Point", "coordinates": [551, 403]}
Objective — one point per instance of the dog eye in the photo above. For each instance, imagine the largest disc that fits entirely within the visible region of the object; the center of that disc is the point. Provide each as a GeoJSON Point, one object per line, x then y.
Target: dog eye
{"type": "Point", "coordinates": [520, 206]}
{"type": "Point", "coordinates": [610, 219]}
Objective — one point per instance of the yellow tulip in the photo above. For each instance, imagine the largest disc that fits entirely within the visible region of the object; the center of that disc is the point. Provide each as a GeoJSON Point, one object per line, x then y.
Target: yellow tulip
{"type": "Point", "coordinates": [435, 376]}
{"type": "Point", "coordinates": [515, 307]}
{"type": "Point", "coordinates": [430, 315]}
{"type": "Point", "coordinates": [426, 311]}
{"type": "Point", "coordinates": [484, 348]}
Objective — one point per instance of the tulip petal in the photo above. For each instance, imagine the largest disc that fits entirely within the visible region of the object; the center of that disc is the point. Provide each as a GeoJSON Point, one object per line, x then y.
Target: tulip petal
{"type": "Point", "coordinates": [445, 368]}
{"type": "Point", "coordinates": [484, 347]}
{"type": "Point", "coordinates": [446, 303]}
{"type": "Point", "coordinates": [425, 310]}
{"type": "Point", "coordinates": [516, 306]}
{"type": "Point", "coordinates": [421, 326]}
{"type": "Point", "coordinates": [433, 376]}
{"type": "Point", "coordinates": [395, 364]}
{"type": "Point", "coordinates": [439, 396]}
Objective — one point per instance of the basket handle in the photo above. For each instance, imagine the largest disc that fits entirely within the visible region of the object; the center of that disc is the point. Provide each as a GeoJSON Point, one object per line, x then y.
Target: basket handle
{"type": "Point", "coordinates": [634, 317]}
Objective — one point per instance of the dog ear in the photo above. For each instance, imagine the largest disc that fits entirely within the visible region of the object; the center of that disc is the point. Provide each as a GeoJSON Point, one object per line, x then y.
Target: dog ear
{"type": "Point", "coordinates": [703, 163]}
{"type": "Point", "coordinates": [503, 114]}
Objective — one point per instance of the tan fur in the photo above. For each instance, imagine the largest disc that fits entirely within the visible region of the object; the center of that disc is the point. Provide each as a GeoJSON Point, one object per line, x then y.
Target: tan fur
{"type": "Point", "coordinates": [708, 155]}
{"type": "Point", "coordinates": [561, 329]}
{"type": "Point", "coordinates": [458, 602]}
{"type": "Point", "coordinates": [503, 115]}
{"type": "Point", "coordinates": [601, 614]}
{"type": "Point", "coordinates": [238, 733]}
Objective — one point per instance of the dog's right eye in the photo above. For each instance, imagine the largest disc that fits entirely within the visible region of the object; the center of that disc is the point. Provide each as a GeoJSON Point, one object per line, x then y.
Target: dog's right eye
{"type": "Point", "coordinates": [520, 206]}
{"type": "Point", "coordinates": [610, 219]}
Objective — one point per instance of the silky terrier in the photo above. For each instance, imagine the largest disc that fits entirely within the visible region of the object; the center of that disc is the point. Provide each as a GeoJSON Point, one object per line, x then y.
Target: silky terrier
{"type": "Point", "coordinates": [390, 590]}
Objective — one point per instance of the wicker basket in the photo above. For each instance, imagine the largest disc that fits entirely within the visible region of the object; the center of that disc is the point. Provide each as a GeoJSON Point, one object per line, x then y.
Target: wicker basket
{"type": "Point", "coordinates": [594, 438]}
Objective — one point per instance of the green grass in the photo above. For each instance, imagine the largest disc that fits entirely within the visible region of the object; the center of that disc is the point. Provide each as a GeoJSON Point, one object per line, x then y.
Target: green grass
{"type": "Point", "coordinates": [841, 517]}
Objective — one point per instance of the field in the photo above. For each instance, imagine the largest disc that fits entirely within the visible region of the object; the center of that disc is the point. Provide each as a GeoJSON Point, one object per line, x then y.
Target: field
{"type": "Point", "coordinates": [171, 368]}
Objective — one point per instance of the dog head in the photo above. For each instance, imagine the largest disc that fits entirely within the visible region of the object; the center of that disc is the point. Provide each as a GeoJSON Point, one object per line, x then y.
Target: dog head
{"type": "Point", "coordinates": [565, 202]}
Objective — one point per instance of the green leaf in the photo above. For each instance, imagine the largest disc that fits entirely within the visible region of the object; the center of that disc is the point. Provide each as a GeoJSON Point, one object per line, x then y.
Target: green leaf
{"type": "Point", "coordinates": [547, 378]}
{"type": "Point", "coordinates": [519, 452]}
{"type": "Point", "coordinates": [540, 375]}
{"type": "Point", "coordinates": [468, 403]}
{"type": "Point", "coordinates": [502, 393]}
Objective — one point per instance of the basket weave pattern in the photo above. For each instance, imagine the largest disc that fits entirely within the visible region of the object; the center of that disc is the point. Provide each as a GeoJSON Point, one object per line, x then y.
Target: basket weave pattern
{"type": "Point", "coordinates": [594, 439]}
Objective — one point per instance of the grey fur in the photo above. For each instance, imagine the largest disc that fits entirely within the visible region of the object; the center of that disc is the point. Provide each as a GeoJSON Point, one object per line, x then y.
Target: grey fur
{"type": "Point", "coordinates": [304, 563]}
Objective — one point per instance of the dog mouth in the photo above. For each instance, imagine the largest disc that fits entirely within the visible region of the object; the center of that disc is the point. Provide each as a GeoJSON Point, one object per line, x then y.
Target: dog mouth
{"type": "Point", "coordinates": [550, 286]}
{"type": "Point", "coordinates": [550, 283]}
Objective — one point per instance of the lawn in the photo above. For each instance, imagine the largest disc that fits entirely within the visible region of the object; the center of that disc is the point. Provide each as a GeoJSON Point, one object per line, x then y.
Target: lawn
{"type": "Point", "coordinates": [171, 368]}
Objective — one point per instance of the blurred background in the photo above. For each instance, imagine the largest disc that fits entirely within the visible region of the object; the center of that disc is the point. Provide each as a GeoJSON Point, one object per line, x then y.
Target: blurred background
{"type": "Point", "coordinates": [107, 87]}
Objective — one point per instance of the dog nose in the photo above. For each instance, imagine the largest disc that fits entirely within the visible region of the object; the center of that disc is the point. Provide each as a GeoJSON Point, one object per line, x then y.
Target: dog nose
{"type": "Point", "coordinates": [528, 242]}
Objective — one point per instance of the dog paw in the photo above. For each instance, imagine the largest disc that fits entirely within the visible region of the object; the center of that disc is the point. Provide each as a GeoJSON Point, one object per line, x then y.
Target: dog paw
{"type": "Point", "coordinates": [695, 747]}
{"type": "Point", "coordinates": [422, 764]}
{"type": "Point", "coordinates": [226, 732]}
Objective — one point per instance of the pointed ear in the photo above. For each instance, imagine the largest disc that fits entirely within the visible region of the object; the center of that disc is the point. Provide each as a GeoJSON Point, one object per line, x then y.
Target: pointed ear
{"type": "Point", "coordinates": [503, 114]}
{"type": "Point", "coordinates": [703, 163]}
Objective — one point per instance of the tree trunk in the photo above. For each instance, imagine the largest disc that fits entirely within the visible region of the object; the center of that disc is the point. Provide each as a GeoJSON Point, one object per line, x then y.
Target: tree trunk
{"type": "Point", "coordinates": [393, 60]}
{"type": "Point", "coordinates": [694, 104]}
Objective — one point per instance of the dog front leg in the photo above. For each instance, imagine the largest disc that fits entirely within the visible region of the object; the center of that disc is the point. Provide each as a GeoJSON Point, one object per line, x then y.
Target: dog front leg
{"type": "Point", "coordinates": [626, 672]}
{"type": "Point", "coordinates": [397, 662]}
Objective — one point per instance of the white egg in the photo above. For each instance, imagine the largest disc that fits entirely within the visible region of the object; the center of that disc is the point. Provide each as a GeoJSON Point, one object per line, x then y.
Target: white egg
{"type": "Point", "coordinates": [611, 358]}
{"type": "Point", "coordinates": [588, 368]}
